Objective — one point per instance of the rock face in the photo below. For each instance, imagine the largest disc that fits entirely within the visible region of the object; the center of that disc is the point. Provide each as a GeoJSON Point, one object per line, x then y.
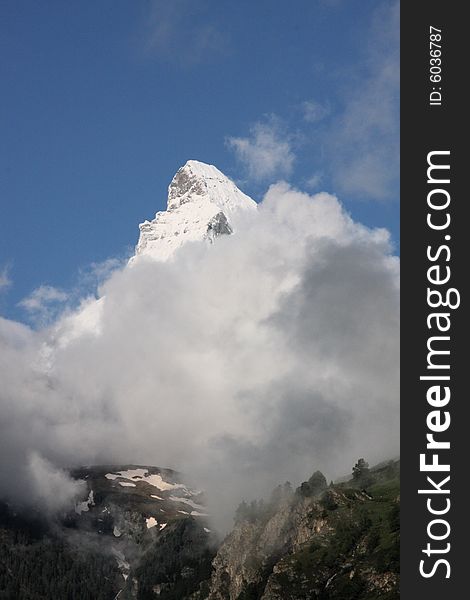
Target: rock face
{"type": "Point", "coordinates": [340, 542]}
{"type": "Point", "coordinates": [202, 204]}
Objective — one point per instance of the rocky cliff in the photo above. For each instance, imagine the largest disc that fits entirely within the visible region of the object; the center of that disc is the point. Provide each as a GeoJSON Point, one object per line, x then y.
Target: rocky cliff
{"type": "Point", "coordinates": [319, 542]}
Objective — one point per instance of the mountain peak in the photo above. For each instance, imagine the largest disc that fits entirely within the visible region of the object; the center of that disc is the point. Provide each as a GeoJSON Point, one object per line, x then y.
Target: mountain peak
{"type": "Point", "coordinates": [203, 203]}
{"type": "Point", "coordinates": [195, 179]}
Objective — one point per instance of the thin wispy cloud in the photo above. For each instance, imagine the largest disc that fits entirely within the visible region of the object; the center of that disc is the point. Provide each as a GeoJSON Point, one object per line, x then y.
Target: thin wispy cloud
{"type": "Point", "coordinates": [91, 277]}
{"type": "Point", "coordinates": [352, 139]}
{"type": "Point", "coordinates": [183, 32]}
{"type": "Point", "coordinates": [362, 143]}
{"type": "Point", "coordinates": [313, 111]}
{"type": "Point", "coordinates": [5, 280]}
{"type": "Point", "coordinates": [266, 153]}
{"type": "Point", "coordinates": [43, 303]}
{"type": "Point", "coordinates": [313, 182]}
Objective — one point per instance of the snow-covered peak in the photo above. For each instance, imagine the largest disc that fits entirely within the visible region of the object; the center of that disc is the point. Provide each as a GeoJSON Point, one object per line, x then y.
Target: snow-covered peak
{"type": "Point", "coordinates": [202, 204]}
{"type": "Point", "coordinates": [197, 180]}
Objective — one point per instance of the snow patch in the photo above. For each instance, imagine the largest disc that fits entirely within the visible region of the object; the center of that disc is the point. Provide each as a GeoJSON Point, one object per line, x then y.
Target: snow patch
{"type": "Point", "coordinates": [158, 482]}
{"type": "Point", "coordinates": [129, 474]}
{"type": "Point", "coordinates": [187, 501]}
{"type": "Point", "coordinates": [137, 475]}
{"type": "Point", "coordinates": [151, 522]}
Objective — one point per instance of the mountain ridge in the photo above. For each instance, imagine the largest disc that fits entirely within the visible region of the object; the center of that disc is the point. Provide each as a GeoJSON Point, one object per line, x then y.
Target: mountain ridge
{"type": "Point", "coordinates": [318, 542]}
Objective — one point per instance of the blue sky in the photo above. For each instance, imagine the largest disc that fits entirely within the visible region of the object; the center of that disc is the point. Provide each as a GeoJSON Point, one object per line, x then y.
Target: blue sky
{"type": "Point", "coordinates": [103, 101]}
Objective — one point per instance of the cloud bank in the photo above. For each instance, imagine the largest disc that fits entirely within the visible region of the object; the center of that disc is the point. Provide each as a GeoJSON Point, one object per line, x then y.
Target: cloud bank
{"type": "Point", "coordinates": [246, 363]}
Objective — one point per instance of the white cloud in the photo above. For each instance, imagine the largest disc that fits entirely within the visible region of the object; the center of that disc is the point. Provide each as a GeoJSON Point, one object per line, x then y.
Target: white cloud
{"type": "Point", "coordinates": [5, 280]}
{"type": "Point", "coordinates": [268, 355]}
{"type": "Point", "coordinates": [94, 275]}
{"type": "Point", "coordinates": [52, 487]}
{"type": "Point", "coordinates": [44, 302]}
{"type": "Point", "coordinates": [267, 153]}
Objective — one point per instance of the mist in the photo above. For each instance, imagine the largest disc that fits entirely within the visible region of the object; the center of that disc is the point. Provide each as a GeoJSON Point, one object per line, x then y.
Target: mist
{"type": "Point", "coordinates": [261, 358]}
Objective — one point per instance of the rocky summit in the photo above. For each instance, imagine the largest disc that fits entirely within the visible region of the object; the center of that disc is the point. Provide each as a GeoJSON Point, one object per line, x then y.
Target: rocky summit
{"type": "Point", "coordinates": [202, 204]}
